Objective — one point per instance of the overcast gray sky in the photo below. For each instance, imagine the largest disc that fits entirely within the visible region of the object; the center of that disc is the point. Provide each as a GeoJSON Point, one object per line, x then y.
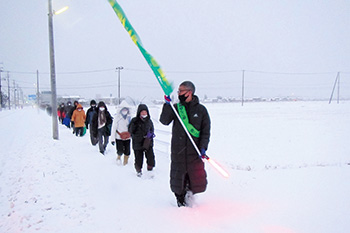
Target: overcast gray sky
{"type": "Point", "coordinates": [208, 42]}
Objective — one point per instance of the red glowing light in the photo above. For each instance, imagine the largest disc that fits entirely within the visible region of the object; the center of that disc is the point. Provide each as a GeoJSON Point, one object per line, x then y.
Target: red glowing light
{"type": "Point", "coordinates": [218, 167]}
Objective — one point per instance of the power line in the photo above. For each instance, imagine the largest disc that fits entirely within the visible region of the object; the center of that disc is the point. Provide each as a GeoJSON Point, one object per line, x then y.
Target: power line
{"type": "Point", "coordinates": [180, 72]}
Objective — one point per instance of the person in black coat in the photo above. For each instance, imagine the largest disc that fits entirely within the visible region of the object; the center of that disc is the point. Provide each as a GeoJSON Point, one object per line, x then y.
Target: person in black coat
{"type": "Point", "coordinates": [101, 126]}
{"type": "Point", "coordinates": [142, 133]}
{"type": "Point", "coordinates": [89, 115]}
{"type": "Point", "coordinates": [187, 173]}
{"type": "Point", "coordinates": [69, 109]}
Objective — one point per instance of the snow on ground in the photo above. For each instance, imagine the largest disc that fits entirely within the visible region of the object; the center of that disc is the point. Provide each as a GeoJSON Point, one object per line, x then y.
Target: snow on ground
{"type": "Point", "coordinates": [288, 164]}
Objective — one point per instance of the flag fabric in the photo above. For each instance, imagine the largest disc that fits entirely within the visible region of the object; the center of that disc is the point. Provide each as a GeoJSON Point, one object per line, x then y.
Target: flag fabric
{"type": "Point", "coordinates": [158, 72]}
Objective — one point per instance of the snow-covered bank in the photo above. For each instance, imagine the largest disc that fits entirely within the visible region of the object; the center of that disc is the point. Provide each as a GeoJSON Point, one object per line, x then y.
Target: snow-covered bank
{"type": "Point", "coordinates": [288, 165]}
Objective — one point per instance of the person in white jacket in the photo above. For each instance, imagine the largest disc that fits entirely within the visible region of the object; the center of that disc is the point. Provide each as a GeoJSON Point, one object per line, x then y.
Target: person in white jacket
{"type": "Point", "coordinates": [120, 135]}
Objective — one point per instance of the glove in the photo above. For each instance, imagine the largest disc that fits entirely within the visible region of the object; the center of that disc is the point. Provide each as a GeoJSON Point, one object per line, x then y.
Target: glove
{"type": "Point", "coordinates": [167, 99]}
{"type": "Point", "coordinates": [150, 135]}
{"type": "Point", "coordinates": [113, 142]}
{"type": "Point", "coordinates": [203, 153]}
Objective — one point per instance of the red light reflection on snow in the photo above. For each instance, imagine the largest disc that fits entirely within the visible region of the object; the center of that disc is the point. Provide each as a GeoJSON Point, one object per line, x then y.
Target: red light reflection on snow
{"type": "Point", "coordinates": [277, 229]}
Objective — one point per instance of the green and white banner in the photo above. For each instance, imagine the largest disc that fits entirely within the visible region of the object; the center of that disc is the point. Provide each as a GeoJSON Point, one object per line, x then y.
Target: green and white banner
{"type": "Point", "coordinates": [158, 72]}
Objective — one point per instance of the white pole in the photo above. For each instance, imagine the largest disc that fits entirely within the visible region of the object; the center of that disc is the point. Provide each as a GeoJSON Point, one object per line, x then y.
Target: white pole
{"type": "Point", "coordinates": [183, 125]}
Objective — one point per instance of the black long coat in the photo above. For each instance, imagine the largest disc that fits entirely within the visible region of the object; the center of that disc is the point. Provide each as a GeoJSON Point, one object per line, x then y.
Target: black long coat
{"type": "Point", "coordinates": [184, 158]}
{"type": "Point", "coordinates": [138, 128]}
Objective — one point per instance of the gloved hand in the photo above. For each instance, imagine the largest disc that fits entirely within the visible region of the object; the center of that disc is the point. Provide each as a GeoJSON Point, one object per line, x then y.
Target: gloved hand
{"type": "Point", "coordinates": [113, 142]}
{"type": "Point", "coordinates": [203, 153]}
{"type": "Point", "coordinates": [167, 99]}
{"type": "Point", "coordinates": [150, 135]}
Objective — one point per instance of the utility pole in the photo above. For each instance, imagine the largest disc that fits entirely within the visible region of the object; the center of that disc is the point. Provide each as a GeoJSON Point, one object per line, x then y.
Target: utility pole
{"type": "Point", "coordinates": [337, 81]}
{"type": "Point", "coordinates": [119, 68]}
{"type": "Point", "coordinates": [37, 89]}
{"type": "Point", "coordinates": [18, 90]}
{"type": "Point", "coordinates": [53, 75]}
{"type": "Point", "coordinates": [14, 93]}
{"type": "Point", "coordinates": [338, 86]}
{"type": "Point", "coordinates": [0, 90]}
{"type": "Point", "coordinates": [242, 87]}
{"type": "Point", "coordinates": [8, 90]}
{"type": "Point", "coordinates": [22, 98]}
{"type": "Point", "coordinates": [19, 94]}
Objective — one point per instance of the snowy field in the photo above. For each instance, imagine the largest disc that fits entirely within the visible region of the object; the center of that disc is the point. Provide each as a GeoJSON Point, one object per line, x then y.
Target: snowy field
{"type": "Point", "coordinates": [288, 164]}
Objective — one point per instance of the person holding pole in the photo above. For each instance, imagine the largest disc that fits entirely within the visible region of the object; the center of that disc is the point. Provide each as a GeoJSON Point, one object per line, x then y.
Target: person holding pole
{"type": "Point", "coordinates": [187, 172]}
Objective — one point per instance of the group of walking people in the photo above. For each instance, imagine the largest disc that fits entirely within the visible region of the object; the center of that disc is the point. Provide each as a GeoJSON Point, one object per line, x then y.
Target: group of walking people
{"type": "Point", "coordinates": [121, 129]}
{"type": "Point", "coordinates": [189, 137]}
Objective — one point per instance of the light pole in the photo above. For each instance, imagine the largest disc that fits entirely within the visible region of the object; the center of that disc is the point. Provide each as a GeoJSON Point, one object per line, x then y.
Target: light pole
{"type": "Point", "coordinates": [119, 68]}
{"type": "Point", "coordinates": [53, 72]}
{"type": "Point", "coordinates": [52, 75]}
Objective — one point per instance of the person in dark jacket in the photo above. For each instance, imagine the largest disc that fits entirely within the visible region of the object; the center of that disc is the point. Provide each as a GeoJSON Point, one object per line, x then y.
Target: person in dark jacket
{"type": "Point", "coordinates": [61, 112]}
{"type": "Point", "coordinates": [89, 115]}
{"type": "Point", "coordinates": [101, 126]}
{"type": "Point", "coordinates": [69, 109]}
{"type": "Point", "coordinates": [187, 173]}
{"type": "Point", "coordinates": [142, 133]}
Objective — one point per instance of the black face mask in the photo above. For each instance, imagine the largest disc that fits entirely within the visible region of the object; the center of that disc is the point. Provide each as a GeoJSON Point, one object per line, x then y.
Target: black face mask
{"type": "Point", "coordinates": [182, 98]}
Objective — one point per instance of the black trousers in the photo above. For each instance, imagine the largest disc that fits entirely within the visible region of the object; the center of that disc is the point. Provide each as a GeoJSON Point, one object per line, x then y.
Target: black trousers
{"type": "Point", "coordinates": [93, 140]}
{"type": "Point", "coordinates": [123, 147]}
{"type": "Point", "coordinates": [150, 160]}
{"type": "Point", "coordinates": [102, 139]}
{"type": "Point", "coordinates": [79, 131]}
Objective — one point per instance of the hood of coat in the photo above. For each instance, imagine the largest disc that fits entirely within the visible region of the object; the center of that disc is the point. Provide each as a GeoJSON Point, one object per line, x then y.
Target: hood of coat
{"type": "Point", "coordinates": [79, 106]}
{"type": "Point", "coordinates": [123, 110]}
{"type": "Point", "coordinates": [101, 104]}
{"type": "Point", "coordinates": [140, 108]}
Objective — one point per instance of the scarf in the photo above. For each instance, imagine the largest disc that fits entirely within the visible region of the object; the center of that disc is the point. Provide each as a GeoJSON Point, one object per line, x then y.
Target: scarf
{"type": "Point", "coordinates": [101, 119]}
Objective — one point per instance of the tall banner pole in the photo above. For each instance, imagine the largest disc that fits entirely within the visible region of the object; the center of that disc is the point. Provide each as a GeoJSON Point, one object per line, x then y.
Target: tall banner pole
{"type": "Point", "coordinates": [158, 72]}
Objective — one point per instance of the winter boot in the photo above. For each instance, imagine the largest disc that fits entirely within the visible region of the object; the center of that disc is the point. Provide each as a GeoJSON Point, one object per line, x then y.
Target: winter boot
{"type": "Point", "coordinates": [189, 198]}
{"type": "Point", "coordinates": [149, 168]}
{"type": "Point", "coordinates": [180, 198]}
{"type": "Point", "coordinates": [126, 158]}
{"type": "Point", "coordinates": [119, 161]}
